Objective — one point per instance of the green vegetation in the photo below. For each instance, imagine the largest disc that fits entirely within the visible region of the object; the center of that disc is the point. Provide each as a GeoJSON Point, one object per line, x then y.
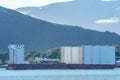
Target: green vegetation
{"type": "Point", "coordinates": [117, 52]}
{"type": "Point", "coordinates": [4, 58]}
{"type": "Point", "coordinates": [53, 54]}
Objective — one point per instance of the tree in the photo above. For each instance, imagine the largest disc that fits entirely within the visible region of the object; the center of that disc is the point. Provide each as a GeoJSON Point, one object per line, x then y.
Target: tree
{"type": "Point", "coordinates": [1, 62]}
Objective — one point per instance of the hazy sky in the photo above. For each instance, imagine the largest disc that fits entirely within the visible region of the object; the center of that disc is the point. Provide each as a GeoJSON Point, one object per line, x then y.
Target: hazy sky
{"type": "Point", "coordinates": [13, 4]}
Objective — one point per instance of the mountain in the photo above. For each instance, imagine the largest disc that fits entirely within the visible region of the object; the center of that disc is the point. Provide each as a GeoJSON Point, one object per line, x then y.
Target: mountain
{"type": "Point", "coordinates": [83, 13]}
{"type": "Point", "coordinates": [35, 34]}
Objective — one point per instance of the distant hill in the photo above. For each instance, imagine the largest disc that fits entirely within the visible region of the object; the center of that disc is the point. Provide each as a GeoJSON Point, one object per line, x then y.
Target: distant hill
{"type": "Point", "coordinates": [79, 12]}
{"type": "Point", "coordinates": [16, 28]}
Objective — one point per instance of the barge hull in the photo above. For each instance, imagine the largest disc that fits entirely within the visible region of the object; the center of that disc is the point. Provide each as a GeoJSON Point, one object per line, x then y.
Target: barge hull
{"type": "Point", "coordinates": [58, 66]}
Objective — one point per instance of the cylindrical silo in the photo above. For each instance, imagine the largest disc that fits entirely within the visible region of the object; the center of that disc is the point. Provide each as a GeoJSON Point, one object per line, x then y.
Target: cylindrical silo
{"type": "Point", "coordinates": [75, 55]}
{"type": "Point", "coordinates": [66, 55]}
{"type": "Point", "coordinates": [87, 54]}
{"type": "Point", "coordinates": [81, 55]}
{"type": "Point", "coordinates": [95, 54]}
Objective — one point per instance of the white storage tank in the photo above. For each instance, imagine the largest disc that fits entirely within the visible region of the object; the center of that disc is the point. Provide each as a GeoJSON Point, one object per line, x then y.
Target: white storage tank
{"type": "Point", "coordinates": [75, 55]}
{"type": "Point", "coordinates": [72, 55]}
{"type": "Point", "coordinates": [66, 55]}
{"type": "Point", "coordinates": [81, 55]}
{"type": "Point", "coordinates": [87, 52]}
{"type": "Point", "coordinates": [96, 55]}
{"type": "Point", "coordinates": [20, 54]}
{"type": "Point", "coordinates": [103, 55]}
{"type": "Point", "coordinates": [111, 55]}
{"type": "Point", "coordinates": [16, 54]}
{"type": "Point", "coordinates": [88, 55]}
{"type": "Point", "coordinates": [12, 54]}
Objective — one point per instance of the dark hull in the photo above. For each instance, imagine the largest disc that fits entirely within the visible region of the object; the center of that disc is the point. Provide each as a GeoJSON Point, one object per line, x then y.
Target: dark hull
{"type": "Point", "coordinates": [58, 66]}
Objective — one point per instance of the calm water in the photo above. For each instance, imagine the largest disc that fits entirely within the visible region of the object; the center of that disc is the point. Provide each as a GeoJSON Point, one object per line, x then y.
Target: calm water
{"type": "Point", "coordinates": [110, 74]}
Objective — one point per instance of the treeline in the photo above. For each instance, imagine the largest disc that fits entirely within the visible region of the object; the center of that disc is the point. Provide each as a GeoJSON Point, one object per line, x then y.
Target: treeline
{"type": "Point", "coordinates": [4, 58]}
{"type": "Point", "coordinates": [117, 53]}
{"type": "Point", "coordinates": [52, 54]}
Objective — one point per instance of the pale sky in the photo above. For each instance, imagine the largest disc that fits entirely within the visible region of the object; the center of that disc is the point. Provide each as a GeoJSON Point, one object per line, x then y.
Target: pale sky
{"type": "Point", "coordinates": [13, 4]}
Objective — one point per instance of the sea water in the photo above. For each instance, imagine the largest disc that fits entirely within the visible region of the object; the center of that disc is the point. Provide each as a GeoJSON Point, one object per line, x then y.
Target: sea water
{"type": "Point", "coordinates": [76, 74]}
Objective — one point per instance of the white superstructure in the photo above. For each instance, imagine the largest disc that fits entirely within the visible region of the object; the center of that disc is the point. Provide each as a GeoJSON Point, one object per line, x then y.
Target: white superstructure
{"type": "Point", "coordinates": [16, 54]}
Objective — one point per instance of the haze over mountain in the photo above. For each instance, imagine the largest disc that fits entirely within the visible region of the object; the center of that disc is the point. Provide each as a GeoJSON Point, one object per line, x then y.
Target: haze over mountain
{"type": "Point", "coordinates": [98, 15]}
{"type": "Point", "coordinates": [35, 34]}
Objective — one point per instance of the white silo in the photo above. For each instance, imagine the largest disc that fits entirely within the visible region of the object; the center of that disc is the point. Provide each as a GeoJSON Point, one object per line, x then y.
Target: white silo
{"type": "Point", "coordinates": [97, 55]}
{"type": "Point", "coordinates": [66, 55]}
{"type": "Point", "coordinates": [72, 55]}
{"type": "Point", "coordinates": [16, 54]}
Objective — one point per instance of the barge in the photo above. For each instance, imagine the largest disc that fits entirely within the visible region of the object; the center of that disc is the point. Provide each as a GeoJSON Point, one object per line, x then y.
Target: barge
{"type": "Point", "coordinates": [78, 57]}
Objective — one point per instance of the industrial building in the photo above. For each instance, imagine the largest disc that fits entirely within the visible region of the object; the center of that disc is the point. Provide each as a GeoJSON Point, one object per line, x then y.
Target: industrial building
{"type": "Point", "coordinates": [16, 54]}
{"type": "Point", "coordinates": [88, 55]}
